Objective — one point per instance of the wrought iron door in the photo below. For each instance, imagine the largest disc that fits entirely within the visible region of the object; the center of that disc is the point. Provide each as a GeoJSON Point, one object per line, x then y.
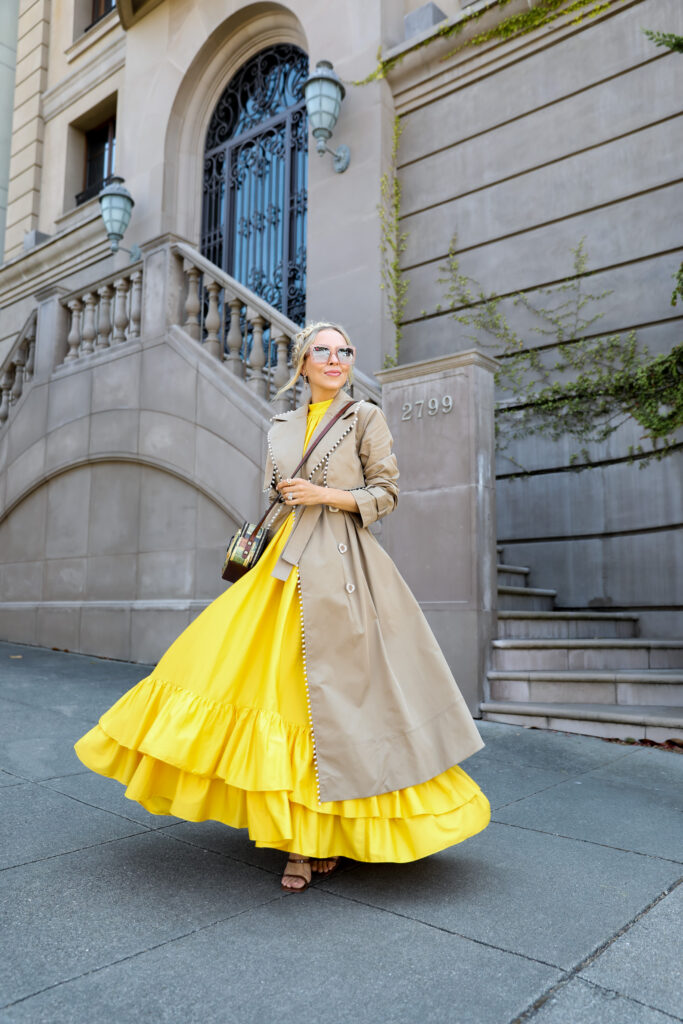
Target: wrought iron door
{"type": "Point", "coordinates": [255, 179]}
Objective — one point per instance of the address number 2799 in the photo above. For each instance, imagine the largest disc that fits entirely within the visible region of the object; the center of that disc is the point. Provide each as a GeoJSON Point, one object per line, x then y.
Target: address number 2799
{"type": "Point", "coordinates": [430, 407]}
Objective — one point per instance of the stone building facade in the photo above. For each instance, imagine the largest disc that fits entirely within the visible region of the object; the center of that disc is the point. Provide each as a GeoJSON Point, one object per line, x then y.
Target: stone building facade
{"type": "Point", "coordinates": [138, 394]}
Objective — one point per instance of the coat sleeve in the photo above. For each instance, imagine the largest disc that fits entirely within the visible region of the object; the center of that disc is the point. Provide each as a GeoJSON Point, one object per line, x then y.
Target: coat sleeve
{"type": "Point", "coordinates": [379, 495]}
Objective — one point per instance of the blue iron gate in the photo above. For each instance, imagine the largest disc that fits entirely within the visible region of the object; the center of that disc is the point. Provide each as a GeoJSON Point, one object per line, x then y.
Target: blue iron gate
{"type": "Point", "coordinates": [255, 179]}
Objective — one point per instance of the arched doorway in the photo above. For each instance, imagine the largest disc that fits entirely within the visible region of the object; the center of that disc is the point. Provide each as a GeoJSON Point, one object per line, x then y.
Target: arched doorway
{"type": "Point", "coordinates": [255, 179]}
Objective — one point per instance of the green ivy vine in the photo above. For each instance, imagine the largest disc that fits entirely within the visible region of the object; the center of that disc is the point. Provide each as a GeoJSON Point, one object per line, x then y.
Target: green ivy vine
{"type": "Point", "coordinates": [392, 244]}
{"type": "Point", "coordinates": [574, 382]}
{"type": "Point", "coordinates": [542, 13]}
{"type": "Point", "coordinates": [668, 39]}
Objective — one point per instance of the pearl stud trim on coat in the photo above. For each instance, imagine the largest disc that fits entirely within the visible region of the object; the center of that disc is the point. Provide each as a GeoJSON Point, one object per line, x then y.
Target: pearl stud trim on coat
{"type": "Point", "coordinates": [308, 696]}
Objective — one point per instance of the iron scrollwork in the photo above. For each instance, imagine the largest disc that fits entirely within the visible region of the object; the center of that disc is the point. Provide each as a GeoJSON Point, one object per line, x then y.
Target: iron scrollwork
{"type": "Point", "coordinates": [255, 179]}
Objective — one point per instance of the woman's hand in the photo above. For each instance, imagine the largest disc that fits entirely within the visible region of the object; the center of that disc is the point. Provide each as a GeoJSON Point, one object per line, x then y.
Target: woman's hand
{"type": "Point", "coordinates": [298, 491]}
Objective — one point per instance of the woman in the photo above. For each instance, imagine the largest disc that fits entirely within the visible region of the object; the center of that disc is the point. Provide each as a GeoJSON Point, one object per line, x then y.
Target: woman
{"type": "Point", "coordinates": [310, 702]}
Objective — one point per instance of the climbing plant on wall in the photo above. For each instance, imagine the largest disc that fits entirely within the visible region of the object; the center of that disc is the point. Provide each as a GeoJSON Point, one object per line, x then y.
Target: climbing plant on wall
{"type": "Point", "coordinates": [542, 13]}
{"type": "Point", "coordinates": [575, 381]}
{"type": "Point", "coordinates": [392, 244]}
{"type": "Point", "coordinates": [674, 43]}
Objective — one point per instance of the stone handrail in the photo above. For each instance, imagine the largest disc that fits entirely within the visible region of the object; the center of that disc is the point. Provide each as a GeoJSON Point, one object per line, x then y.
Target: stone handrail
{"type": "Point", "coordinates": [17, 368]}
{"type": "Point", "coordinates": [106, 313]}
{"type": "Point", "coordinates": [236, 325]}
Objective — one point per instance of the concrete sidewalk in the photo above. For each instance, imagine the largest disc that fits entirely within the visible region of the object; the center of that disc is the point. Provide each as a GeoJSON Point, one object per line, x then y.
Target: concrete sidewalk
{"type": "Point", "coordinates": [565, 910]}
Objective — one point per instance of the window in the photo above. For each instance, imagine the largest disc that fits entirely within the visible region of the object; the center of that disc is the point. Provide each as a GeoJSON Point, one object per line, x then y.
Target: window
{"type": "Point", "coordinates": [100, 148]}
{"type": "Point", "coordinates": [99, 9]}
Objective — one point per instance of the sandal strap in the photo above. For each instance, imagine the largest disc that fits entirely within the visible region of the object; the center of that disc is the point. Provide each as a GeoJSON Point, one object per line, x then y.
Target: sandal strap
{"type": "Point", "coordinates": [297, 872]}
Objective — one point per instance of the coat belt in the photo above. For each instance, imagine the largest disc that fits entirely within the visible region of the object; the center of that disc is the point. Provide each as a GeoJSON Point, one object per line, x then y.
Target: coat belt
{"type": "Point", "coordinates": [297, 541]}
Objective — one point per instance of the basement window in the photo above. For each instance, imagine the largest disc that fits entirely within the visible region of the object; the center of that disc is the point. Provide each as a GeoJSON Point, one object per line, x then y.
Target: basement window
{"type": "Point", "coordinates": [100, 151]}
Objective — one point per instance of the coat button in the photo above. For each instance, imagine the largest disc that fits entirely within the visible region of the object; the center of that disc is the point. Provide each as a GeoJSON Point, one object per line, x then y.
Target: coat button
{"type": "Point", "coordinates": [342, 548]}
{"type": "Point", "coordinates": [350, 588]}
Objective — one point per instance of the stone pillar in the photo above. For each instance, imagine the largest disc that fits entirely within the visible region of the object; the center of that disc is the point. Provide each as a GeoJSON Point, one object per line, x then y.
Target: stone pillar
{"type": "Point", "coordinates": [442, 534]}
{"type": "Point", "coordinates": [163, 286]}
{"type": "Point", "coordinates": [52, 328]}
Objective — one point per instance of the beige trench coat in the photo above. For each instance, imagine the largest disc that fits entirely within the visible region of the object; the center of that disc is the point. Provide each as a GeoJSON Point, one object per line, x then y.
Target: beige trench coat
{"type": "Point", "coordinates": [385, 709]}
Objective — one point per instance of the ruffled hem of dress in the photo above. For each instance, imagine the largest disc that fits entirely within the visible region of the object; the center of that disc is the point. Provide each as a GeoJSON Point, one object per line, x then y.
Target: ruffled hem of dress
{"type": "Point", "coordinates": [246, 749]}
{"type": "Point", "coordinates": [273, 818]}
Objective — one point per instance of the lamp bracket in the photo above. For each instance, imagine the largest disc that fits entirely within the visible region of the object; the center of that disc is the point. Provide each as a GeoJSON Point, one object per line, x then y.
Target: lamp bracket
{"type": "Point", "coordinates": [342, 155]}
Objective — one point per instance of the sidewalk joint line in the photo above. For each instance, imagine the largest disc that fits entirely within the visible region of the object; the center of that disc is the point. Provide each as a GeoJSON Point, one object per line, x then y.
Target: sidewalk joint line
{"type": "Point", "coordinates": [141, 952]}
{"type": "Point", "coordinates": [441, 928]}
{"type": "Point", "coordinates": [589, 842]}
{"type": "Point", "coordinates": [598, 951]}
{"type": "Point", "coordinates": [80, 849]}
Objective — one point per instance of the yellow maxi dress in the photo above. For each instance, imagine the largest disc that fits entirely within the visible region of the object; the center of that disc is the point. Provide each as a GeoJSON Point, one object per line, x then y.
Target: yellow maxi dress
{"type": "Point", "coordinates": [220, 730]}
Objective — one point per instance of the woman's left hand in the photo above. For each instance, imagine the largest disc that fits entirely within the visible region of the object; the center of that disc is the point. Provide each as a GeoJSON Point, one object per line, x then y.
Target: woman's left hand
{"type": "Point", "coordinates": [298, 491]}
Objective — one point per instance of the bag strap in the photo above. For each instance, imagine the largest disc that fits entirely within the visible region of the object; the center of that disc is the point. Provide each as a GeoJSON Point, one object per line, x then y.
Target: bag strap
{"type": "Point", "coordinates": [308, 451]}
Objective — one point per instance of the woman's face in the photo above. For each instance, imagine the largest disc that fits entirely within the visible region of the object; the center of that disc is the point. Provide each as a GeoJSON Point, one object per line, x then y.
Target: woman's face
{"type": "Point", "coordinates": [331, 375]}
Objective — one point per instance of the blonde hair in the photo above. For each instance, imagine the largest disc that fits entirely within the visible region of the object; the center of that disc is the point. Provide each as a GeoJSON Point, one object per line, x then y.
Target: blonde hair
{"type": "Point", "coordinates": [301, 343]}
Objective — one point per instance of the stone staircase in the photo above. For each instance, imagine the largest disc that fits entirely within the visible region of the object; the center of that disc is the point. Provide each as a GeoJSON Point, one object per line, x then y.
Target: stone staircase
{"type": "Point", "coordinates": [579, 671]}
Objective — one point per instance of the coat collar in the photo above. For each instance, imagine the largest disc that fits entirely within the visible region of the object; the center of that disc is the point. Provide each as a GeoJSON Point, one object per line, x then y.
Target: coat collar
{"type": "Point", "coordinates": [289, 429]}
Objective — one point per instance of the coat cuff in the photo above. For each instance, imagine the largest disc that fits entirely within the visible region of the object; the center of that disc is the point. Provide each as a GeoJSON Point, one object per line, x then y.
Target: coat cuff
{"type": "Point", "coordinates": [367, 506]}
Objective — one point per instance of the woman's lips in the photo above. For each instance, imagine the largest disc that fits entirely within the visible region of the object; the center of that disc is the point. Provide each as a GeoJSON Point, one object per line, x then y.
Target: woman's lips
{"type": "Point", "coordinates": [333, 373]}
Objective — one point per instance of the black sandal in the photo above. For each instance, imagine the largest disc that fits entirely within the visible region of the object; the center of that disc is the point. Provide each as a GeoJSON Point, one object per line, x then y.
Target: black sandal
{"type": "Point", "coordinates": [298, 873]}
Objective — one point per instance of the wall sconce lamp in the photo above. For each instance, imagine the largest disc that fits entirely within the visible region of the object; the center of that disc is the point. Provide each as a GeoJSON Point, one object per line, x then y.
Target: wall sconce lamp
{"type": "Point", "coordinates": [324, 93]}
{"type": "Point", "coordinates": [116, 206]}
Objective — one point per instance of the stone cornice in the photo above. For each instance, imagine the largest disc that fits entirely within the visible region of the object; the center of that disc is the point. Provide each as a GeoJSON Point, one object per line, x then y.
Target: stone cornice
{"type": "Point", "coordinates": [131, 11]}
{"type": "Point", "coordinates": [47, 264]}
{"type": "Point", "coordinates": [102, 65]}
{"type": "Point", "coordinates": [425, 74]}
{"type": "Point", "coordinates": [101, 28]}
{"type": "Point", "coordinates": [441, 364]}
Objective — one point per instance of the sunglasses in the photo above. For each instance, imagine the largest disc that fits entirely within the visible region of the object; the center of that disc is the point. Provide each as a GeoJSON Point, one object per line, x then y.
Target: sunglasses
{"type": "Point", "coordinates": [321, 354]}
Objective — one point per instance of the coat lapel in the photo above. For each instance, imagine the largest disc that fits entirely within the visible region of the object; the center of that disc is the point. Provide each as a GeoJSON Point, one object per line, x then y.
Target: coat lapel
{"type": "Point", "coordinates": [289, 429]}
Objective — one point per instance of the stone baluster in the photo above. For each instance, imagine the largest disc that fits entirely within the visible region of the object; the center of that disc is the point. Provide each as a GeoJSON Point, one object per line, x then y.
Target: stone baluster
{"type": "Point", "coordinates": [89, 330]}
{"type": "Point", "coordinates": [5, 389]}
{"type": "Point", "coordinates": [256, 378]}
{"type": "Point", "coordinates": [235, 339]}
{"type": "Point", "coordinates": [120, 310]}
{"type": "Point", "coordinates": [282, 372]}
{"type": "Point", "coordinates": [213, 321]}
{"type": "Point", "coordinates": [18, 384]}
{"type": "Point", "coordinates": [74, 338]}
{"type": "Point", "coordinates": [191, 324]}
{"type": "Point", "coordinates": [30, 351]}
{"type": "Point", "coordinates": [135, 304]}
{"type": "Point", "coordinates": [104, 319]}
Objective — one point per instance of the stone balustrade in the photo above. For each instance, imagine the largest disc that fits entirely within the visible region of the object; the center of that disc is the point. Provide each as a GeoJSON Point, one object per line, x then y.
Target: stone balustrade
{"type": "Point", "coordinates": [239, 328]}
{"type": "Point", "coordinates": [107, 313]}
{"type": "Point", "coordinates": [17, 368]}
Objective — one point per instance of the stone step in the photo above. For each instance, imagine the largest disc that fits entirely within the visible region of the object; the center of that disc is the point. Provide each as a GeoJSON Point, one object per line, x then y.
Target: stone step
{"type": "Point", "coordinates": [639, 687]}
{"type": "Point", "coordinates": [526, 599]}
{"type": "Point", "coordinates": [610, 720]}
{"type": "Point", "coordinates": [512, 575]}
{"type": "Point", "coordinates": [565, 624]}
{"type": "Point", "coordinates": [518, 654]}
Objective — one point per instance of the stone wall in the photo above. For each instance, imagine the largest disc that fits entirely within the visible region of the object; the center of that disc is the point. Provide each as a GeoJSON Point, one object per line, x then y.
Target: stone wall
{"type": "Point", "coordinates": [522, 150]}
{"type": "Point", "coordinates": [122, 476]}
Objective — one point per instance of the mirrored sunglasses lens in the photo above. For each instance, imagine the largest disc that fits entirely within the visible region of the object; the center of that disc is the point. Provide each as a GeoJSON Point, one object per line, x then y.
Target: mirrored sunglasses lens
{"type": "Point", "coordinates": [320, 353]}
{"type": "Point", "coordinates": [345, 355]}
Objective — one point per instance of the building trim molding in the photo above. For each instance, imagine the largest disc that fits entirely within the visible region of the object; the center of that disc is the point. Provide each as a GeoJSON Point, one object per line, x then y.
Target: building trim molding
{"type": "Point", "coordinates": [235, 40]}
{"type": "Point", "coordinates": [96, 458]}
{"type": "Point", "coordinates": [101, 66]}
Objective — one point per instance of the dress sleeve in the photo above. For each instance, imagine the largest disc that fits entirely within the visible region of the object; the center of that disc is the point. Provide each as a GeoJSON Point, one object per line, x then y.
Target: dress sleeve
{"type": "Point", "coordinates": [379, 495]}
